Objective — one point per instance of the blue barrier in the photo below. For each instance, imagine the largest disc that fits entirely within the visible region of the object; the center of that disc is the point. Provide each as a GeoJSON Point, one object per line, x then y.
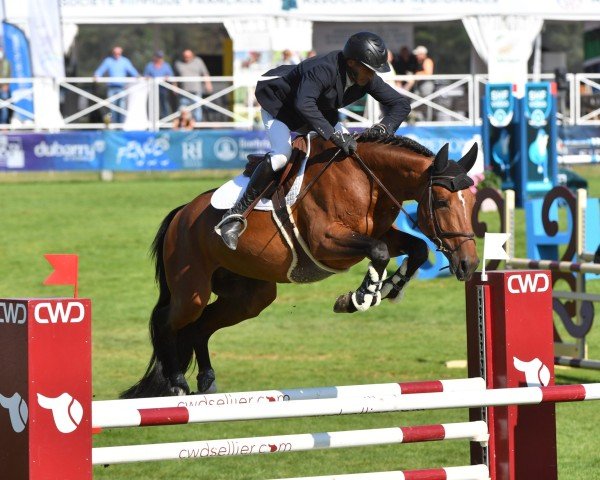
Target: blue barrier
{"type": "Point", "coordinates": [430, 269]}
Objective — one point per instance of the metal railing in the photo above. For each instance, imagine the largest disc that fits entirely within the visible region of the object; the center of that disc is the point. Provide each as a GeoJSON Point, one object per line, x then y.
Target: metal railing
{"type": "Point", "coordinates": [85, 103]}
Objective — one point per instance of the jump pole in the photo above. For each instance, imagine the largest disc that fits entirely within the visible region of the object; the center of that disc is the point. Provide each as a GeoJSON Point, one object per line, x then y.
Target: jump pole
{"type": "Point", "coordinates": [45, 347]}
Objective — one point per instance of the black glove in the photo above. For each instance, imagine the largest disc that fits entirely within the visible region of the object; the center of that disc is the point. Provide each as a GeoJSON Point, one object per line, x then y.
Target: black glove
{"type": "Point", "coordinates": [345, 142]}
{"type": "Point", "coordinates": [376, 131]}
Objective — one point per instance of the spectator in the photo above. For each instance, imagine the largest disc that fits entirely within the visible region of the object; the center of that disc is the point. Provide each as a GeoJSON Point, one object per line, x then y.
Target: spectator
{"type": "Point", "coordinates": [193, 66]}
{"type": "Point", "coordinates": [5, 73]}
{"type": "Point", "coordinates": [405, 64]}
{"type": "Point", "coordinates": [424, 67]}
{"type": "Point", "coordinates": [290, 58]}
{"type": "Point", "coordinates": [311, 53]}
{"type": "Point", "coordinates": [158, 68]}
{"type": "Point", "coordinates": [252, 60]}
{"type": "Point", "coordinates": [116, 66]}
{"type": "Point", "coordinates": [184, 121]}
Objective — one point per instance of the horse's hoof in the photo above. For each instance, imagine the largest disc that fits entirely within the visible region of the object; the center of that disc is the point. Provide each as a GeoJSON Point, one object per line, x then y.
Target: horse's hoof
{"type": "Point", "coordinates": [207, 381]}
{"type": "Point", "coordinates": [344, 304]}
{"type": "Point", "coordinates": [179, 386]}
{"type": "Point", "coordinates": [178, 392]}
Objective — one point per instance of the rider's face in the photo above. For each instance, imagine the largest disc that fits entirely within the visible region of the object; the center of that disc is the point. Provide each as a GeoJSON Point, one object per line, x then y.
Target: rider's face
{"type": "Point", "coordinates": [361, 74]}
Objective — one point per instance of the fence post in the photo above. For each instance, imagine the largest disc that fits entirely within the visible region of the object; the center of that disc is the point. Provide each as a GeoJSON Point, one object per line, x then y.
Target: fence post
{"type": "Point", "coordinates": [510, 344]}
{"type": "Point", "coordinates": [45, 389]}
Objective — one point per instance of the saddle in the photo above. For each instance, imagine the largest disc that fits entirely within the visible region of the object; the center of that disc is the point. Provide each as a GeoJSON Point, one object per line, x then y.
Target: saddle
{"type": "Point", "coordinates": [284, 178]}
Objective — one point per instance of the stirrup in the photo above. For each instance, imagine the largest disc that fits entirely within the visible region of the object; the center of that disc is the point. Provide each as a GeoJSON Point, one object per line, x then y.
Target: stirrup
{"type": "Point", "coordinates": [229, 218]}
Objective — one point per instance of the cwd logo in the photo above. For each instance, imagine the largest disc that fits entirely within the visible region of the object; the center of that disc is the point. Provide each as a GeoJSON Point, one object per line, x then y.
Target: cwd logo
{"type": "Point", "coordinates": [523, 283]}
{"type": "Point", "coordinates": [12, 312]}
{"type": "Point", "coordinates": [69, 312]}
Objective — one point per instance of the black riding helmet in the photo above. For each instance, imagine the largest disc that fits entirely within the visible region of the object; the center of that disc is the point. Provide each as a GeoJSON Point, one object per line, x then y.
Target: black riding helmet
{"type": "Point", "coordinates": [368, 49]}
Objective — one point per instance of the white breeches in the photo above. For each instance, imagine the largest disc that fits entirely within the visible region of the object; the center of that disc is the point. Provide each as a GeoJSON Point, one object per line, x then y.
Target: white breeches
{"type": "Point", "coordinates": [280, 137]}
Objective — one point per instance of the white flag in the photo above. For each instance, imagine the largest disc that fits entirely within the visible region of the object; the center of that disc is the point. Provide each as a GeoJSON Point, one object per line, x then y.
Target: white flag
{"type": "Point", "coordinates": [492, 246]}
{"type": "Point", "coordinates": [493, 250]}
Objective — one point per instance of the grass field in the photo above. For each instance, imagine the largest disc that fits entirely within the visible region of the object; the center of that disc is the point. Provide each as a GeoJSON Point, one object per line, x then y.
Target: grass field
{"type": "Point", "coordinates": [298, 341]}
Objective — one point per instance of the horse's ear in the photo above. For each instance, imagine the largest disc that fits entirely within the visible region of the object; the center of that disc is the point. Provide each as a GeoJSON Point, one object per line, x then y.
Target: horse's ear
{"type": "Point", "coordinates": [468, 160]}
{"type": "Point", "coordinates": [441, 159]}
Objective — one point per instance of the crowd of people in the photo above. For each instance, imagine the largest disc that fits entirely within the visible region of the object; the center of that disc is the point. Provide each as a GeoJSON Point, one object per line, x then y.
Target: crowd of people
{"type": "Point", "coordinates": [116, 66]}
{"type": "Point", "coordinates": [183, 96]}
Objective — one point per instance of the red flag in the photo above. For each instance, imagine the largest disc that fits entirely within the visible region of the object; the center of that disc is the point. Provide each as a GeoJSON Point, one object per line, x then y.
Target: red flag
{"type": "Point", "coordinates": [65, 270]}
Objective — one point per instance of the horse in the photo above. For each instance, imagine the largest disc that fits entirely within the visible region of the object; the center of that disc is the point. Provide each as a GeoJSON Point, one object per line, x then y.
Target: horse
{"type": "Point", "coordinates": [345, 212]}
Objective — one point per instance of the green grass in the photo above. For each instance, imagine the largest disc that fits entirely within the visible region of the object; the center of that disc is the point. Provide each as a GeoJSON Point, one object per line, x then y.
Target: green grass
{"type": "Point", "coordinates": [298, 341]}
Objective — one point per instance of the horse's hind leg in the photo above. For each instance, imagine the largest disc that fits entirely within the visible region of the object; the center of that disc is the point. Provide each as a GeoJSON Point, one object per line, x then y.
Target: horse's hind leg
{"type": "Point", "coordinates": [239, 298]}
{"type": "Point", "coordinates": [190, 292]}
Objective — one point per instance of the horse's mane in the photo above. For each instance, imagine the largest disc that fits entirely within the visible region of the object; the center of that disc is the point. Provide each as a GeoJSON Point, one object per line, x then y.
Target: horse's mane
{"type": "Point", "coordinates": [404, 142]}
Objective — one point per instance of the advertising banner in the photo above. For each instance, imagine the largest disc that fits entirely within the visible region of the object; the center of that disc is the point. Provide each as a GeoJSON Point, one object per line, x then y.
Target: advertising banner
{"type": "Point", "coordinates": [60, 151]}
{"type": "Point", "coordinates": [177, 150]}
{"type": "Point", "coordinates": [460, 138]}
{"type": "Point", "coordinates": [218, 149]}
{"type": "Point", "coordinates": [16, 47]}
{"type": "Point", "coordinates": [539, 129]}
{"type": "Point", "coordinates": [578, 144]}
{"type": "Point", "coordinates": [500, 131]}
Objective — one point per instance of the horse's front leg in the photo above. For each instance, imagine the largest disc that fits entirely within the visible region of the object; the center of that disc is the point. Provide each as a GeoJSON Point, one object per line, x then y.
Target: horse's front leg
{"type": "Point", "coordinates": [344, 242]}
{"type": "Point", "coordinates": [402, 243]}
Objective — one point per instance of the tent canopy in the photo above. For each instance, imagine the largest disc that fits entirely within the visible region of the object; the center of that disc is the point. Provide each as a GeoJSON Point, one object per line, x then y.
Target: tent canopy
{"type": "Point", "coordinates": [217, 11]}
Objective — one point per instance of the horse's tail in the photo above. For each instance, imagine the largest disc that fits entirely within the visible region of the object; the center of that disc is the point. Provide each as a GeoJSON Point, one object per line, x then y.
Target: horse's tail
{"type": "Point", "coordinates": [154, 382]}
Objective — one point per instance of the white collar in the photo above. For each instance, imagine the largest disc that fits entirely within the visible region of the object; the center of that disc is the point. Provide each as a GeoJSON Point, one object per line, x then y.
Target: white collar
{"type": "Point", "coordinates": [349, 82]}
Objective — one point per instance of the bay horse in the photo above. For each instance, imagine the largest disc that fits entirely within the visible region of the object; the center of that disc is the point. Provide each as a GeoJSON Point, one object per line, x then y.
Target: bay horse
{"type": "Point", "coordinates": [347, 214]}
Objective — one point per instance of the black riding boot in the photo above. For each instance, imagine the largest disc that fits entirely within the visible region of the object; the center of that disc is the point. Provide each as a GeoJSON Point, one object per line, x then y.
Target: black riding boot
{"type": "Point", "coordinates": [233, 223]}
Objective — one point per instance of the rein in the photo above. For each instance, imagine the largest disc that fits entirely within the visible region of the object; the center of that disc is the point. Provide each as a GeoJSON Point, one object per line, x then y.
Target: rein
{"type": "Point", "coordinates": [439, 234]}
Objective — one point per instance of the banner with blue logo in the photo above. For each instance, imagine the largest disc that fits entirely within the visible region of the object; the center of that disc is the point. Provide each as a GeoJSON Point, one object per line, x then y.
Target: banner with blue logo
{"type": "Point", "coordinates": [500, 103]}
{"type": "Point", "coordinates": [16, 48]}
{"type": "Point", "coordinates": [174, 150]}
{"type": "Point", "coordinates": [539, 137]}
{"type": "Point", "coordinates": [460, 138]}
{"type": "Point", "coordinates": [214, 149]}
{"type": "Point", "coordinates": [578, 144]}
{"type": "Point", "coordinates": [60, 151]}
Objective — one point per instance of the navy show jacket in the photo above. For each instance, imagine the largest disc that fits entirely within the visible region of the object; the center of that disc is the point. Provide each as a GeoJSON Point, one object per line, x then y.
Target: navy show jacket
{"type": "Point", "coordinates": [308, 95]}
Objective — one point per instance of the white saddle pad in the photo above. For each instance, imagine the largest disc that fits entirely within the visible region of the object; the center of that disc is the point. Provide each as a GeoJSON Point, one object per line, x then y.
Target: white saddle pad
{"type": "Point", "coordinates": [226, 195]}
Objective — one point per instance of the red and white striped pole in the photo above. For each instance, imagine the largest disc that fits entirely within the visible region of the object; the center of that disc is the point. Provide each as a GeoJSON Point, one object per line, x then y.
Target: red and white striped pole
{"type": "Point", "coordinates": [471, 472]}
{"type": "Point", "coordinates": [351, 405]}
{"type": "Point", "coordinates": [146, 411]}
{"type": "Point", "coordinates": [474, 431]}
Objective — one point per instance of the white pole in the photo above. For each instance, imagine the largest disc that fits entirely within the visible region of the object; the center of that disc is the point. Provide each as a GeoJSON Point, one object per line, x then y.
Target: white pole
{"type": "Point", "coordinates": [472, 472]}
{"type": "Point", "coordinates": [348, 406]}
{"type": "Point", "coordinates": [474, 431]}
{"type": "Point", "coordinates": [102, 410]}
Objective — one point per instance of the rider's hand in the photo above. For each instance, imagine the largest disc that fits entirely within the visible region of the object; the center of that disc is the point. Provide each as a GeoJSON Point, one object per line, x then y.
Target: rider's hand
{"type": "Point", "coordinates": [376, 131]}
{"type": "Point", "coordinates": [345, 142]}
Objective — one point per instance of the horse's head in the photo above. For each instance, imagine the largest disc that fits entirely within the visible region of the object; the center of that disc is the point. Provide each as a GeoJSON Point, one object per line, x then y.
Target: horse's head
{"type": "Point", "coordinates": [445, 211]}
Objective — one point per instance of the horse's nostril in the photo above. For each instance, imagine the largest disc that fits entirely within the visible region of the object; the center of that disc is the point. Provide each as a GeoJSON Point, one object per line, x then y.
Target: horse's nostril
{"type": "Point", "coordinates": [464, 265]}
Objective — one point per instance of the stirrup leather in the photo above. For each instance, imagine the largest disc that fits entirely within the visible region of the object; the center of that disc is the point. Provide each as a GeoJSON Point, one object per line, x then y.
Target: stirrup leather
{"type": "Point", "coordinates": [229, 218]}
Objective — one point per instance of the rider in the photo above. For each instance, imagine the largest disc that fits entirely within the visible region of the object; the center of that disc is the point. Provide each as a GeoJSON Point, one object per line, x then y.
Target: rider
{"type": "Point", "coordinates": [307, 97]}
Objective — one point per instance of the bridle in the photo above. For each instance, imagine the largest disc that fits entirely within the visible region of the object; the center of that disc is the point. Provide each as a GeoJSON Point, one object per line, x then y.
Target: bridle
{"type": "Point", "coordinates": [439, 235]}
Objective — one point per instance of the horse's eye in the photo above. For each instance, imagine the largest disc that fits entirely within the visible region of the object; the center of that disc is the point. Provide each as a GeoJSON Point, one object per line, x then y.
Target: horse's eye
{"type": "Point", "coordinates": [440, 204]}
